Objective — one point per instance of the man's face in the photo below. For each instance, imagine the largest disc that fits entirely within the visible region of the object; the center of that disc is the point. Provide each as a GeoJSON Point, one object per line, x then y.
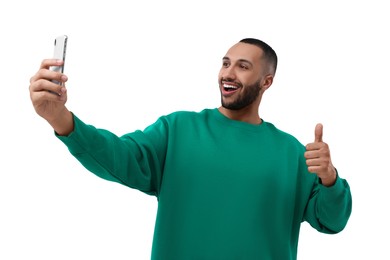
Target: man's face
{"type": "Point", "coordinates": [241, 76]}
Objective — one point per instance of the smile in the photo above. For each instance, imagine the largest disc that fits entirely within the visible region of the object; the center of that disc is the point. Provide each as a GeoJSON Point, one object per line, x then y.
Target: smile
{"type": "Point", "coordinates": [229, 88]}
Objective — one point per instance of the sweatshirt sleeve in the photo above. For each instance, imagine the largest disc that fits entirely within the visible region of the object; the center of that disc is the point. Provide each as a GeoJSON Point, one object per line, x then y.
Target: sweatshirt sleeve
{"type": "Point", "coordinates": [132, 159]}
{"type": "Point", "coordinates": [329, 208]}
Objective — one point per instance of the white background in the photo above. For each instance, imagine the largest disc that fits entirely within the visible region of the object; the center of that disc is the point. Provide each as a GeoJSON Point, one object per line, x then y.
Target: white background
{"type": "Point", "coordinates": [130, 62]}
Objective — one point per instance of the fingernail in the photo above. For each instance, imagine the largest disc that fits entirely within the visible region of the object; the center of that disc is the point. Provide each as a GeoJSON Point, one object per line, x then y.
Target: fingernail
{"type": "Point", "coordinates": [64, 78]}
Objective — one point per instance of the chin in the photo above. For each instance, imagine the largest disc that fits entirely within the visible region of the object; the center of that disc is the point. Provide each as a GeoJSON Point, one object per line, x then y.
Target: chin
{"type": "Point", "coordinates": [232, 106]}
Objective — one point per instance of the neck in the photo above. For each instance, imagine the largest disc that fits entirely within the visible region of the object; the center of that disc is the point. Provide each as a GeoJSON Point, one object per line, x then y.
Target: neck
{"type": "Point", "coordinates": [248, 115]}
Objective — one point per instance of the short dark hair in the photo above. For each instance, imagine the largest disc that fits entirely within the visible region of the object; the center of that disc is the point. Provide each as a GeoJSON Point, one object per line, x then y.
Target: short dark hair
{"type": "Point", "coordinates": [269, 53]}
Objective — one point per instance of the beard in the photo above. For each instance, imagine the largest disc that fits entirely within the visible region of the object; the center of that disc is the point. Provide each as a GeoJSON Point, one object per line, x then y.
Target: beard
{"type": "Point", "coordinates": [248, 95]}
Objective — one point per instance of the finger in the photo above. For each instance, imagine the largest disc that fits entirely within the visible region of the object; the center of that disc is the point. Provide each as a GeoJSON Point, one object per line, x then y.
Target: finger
{"type": "Point", "coordinates": [314, 162]}
{"type": "Point", "coordinates": [40, 97]}
{"type": "Point", "coordinates": [318, 133]}
{"type": "Point", "coordinates": [46, 85]}
{"type": "Point", "coordinates": [45, 64]}
{"type": "Point", "coordinates": [49, 75]}
{"type": "Point", "coordinates": [314, 169]}
{"type": "Point", "coordinates": [312, 165]}
{"type": "Point", "coordinates": [311, 154]}
{"type": "Point", "coordinates": [316, 146]}
{"type": "Point", "coordinates": [315, 165]}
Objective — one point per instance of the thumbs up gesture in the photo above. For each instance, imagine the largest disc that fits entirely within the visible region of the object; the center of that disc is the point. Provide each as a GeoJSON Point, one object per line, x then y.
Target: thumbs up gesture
{"type": "Point", "coordinates": [318, 158]}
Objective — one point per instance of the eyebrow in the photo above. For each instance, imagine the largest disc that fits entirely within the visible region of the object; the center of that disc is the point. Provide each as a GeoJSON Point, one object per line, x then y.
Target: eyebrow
{"type": "Point", "coordinates": [239, 60]}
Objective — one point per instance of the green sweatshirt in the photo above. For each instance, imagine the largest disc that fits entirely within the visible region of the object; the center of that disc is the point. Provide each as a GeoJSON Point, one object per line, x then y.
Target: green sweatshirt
{"type": "Point", "coordinates": [226, 189]}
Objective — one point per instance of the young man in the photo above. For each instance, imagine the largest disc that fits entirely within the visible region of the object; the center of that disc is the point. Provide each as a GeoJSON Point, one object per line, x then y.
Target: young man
{"type": "Point", "coordinates": [229, 185]}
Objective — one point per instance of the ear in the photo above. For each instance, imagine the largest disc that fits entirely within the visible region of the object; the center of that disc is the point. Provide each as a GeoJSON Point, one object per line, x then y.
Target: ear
{"type": "Point", "coordinates": [267, 82]}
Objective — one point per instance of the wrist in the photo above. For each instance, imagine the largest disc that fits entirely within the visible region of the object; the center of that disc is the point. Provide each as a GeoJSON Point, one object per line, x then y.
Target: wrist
{"type": "Point", "coordinates": [63, 124]}
{"type": "Point", "coordinates": [331, 179]}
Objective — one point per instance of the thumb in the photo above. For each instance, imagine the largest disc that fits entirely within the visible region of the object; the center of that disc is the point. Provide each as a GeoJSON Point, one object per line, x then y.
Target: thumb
{"type": "Point", "coordinates": [318, 133]}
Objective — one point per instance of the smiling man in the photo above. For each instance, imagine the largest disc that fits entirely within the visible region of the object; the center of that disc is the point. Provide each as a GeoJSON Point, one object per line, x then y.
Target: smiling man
{"type": "Point", "coordinates": [229, 185]}
{"type": "Point", "coordinates": [247, 71]}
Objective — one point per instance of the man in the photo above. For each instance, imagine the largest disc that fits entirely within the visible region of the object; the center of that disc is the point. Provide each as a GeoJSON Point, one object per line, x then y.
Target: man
{"type": "Point", "coordinates": [229, 185]}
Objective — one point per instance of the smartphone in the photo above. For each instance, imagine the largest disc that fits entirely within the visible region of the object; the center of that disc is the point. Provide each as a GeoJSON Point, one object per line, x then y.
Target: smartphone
{"type": "Point", "coordinates": [60, 44]}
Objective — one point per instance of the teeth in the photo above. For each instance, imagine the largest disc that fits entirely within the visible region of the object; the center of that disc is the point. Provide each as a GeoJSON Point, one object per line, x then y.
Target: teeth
{"type": "Point", "coordinates": [229, 86]}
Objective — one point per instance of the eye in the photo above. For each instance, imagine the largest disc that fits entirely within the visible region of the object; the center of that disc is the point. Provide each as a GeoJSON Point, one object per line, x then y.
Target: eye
{"type": "Point", "coordinates": [244, 66]}
{"type": "Point", "coordinates": [225, 64]}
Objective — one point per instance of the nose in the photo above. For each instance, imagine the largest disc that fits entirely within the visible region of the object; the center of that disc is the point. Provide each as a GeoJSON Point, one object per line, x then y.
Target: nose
{"type": "Point", "coordinates": [228, 73]}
